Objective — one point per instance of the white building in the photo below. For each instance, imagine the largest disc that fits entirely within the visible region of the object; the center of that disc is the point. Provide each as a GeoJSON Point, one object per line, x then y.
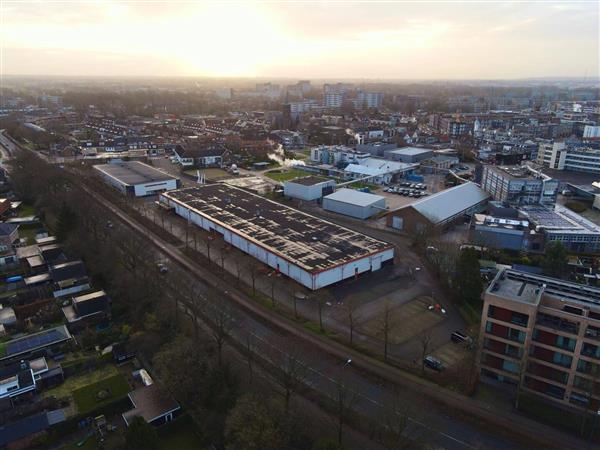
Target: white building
{"type": "Point", "coordinates": [376, 170]}
{"type": "Point", "coordinates": [556, 155]}
{"type": "Point", "coordinates": [591, 132]}
{"type": "Point", "coordinates": [136, 178]}
{"type": "Point", "coordinates": [312, 251]}
{"type": "Point", "coordinates": [308, 188]}
{"type": "Point", "coordinates": [353, 203]}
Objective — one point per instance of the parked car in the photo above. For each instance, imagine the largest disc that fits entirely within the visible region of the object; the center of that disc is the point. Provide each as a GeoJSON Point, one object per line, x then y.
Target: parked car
{"type": "Point", "coordinates": [433, 363]}
{"type": "Point", "coordinates": [459, 338]}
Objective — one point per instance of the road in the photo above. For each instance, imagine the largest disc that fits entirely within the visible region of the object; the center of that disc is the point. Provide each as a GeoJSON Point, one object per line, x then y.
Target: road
{"type": "Point", "coordinates": [437, 416]}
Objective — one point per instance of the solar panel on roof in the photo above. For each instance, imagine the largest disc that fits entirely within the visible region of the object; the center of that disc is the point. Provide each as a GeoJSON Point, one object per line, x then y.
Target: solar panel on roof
{"type": "Point", "coordinates": [31, 342]}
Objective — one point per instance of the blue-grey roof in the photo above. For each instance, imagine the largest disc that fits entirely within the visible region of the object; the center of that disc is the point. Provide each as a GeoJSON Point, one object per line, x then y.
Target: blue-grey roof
{"type": "Point", "coordinates": [7, 228]}
{"type": "Point", "coordinates": [354, 197]}
{"type": "Point", "coordinates": [22, 428]}
{"type": "Point", "coordinates": [449, 203]}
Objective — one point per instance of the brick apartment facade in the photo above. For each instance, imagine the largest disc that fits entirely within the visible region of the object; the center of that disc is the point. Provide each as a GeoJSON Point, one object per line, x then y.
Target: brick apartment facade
{"type": "Point", "coordinates": [543, 334]}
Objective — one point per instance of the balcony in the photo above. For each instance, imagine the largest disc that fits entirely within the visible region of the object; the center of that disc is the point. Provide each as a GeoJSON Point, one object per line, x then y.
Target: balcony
{"type": "Point", "coordinates": [557, 323]}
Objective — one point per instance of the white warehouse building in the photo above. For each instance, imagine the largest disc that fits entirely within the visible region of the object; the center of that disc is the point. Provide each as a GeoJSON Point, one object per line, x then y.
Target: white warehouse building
{"type": "Point", "coordinates": [308, 188]}
{"type": "Point", "coordinates": [353, 203]}
{"type": "Point", "coordinates": [312, 251]}
{"type": "Point", "coordinates": [136, 178]}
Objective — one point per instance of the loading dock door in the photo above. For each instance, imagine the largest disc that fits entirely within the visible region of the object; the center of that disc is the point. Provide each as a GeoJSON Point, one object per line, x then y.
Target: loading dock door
{"type": "Point", "coordinates": [397, 222]}
{"type": "Point", "coordinates": [376, 263]}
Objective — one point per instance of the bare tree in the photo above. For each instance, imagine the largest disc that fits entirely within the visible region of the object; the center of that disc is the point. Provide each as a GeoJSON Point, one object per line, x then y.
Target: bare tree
{"type": "Point", "coordinates": [207, 242]}
{"type": "Point", "coordinates": [222, 257]}
{"type": "Point", "coordinates": [321, 298]}
{"type": "Point", "coordinates": [272, 284]}
{"type": "Point", "coordinates": [253, 272]}
{"type": "Point", "coordinates": [386, 327]}
{"type": "Point", "coordinates": [351, 314]}
{"type": "Point", "coordinates": [222, 326]}
{"type": "Point", "coordinates": [250, 349]}
{"type": "Point", "coordinates": [425, 340]}
{"type": "Point", "coordinates": [394, 420]}
{"type": "Point", "coordinates": [292, 370]}
{"type": "Point", "coordinates": [345, 398]}
{"type": "Point", "coordinates": [238, 268]}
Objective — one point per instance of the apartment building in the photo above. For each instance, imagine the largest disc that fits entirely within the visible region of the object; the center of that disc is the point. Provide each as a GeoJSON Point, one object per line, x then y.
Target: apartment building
{"type": "Point", "coordinates": [519, 185]}
{"type": "Point", "coordinates": [368, 99]}
{"type": "Point", "coordinates": [542, 334]}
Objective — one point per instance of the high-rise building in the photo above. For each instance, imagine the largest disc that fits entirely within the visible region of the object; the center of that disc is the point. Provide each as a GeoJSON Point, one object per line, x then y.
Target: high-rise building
{"type": "Point", "coordinates": [333, 99]}
{"type": "Point", "coordinates": [369, 99]}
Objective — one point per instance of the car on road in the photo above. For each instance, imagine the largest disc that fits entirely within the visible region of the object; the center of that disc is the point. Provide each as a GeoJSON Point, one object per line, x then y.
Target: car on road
{"type": "Point", "coordinates": [433, 363]}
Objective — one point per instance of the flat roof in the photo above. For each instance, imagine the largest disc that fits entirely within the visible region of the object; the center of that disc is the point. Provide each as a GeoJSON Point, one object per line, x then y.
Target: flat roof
{"type": "Point", "coordinates": [133, 172]}
{"type": "Point", "coordinates": [509, 283]}
{"type": "Point", "coordinates": [354, 197]}
{"type": "Point", "coordinates": [90, 296]}
{"type": "Point", "coordinates": [311, 243]}
{"type": "Point", "coordinates": [410, 151]}
{"type": "Point", "coordinates": [309, 181]}
{"type": "Point", "coordinates": [559, 220]}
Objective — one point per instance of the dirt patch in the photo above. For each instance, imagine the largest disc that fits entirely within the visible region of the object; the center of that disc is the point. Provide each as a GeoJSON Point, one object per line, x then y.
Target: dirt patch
{"type": "Point", "coordinates": [407, 321]}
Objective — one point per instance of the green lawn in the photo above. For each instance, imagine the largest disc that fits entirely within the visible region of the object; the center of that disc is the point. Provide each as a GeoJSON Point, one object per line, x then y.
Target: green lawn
{"type": "Point", "coordinates": [100, 393]}
{"type": "Point", "coordinates": [2, 349]}
{"type": "Point", "coordinates": [26, 210]}
{"type": "Point", "coordinates": [282, 175]}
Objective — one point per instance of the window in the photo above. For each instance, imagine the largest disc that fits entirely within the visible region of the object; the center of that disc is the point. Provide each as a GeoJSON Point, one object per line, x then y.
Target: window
{"type": "Point", "coordinates": [562, 360]}
{"type": "Point", "coordinates": [510, 366]}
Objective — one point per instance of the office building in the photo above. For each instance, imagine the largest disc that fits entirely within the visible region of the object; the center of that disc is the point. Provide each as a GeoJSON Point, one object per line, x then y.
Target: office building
{"type": "Point", "coordinates": [559, 156]}
{"type": "Point", "coordinates": [542, 334]}
{"type": "Point", "coordinates": [519, 185]}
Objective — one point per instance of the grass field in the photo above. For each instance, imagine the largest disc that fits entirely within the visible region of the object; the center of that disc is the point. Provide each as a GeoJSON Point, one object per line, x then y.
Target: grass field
{"type": "Point", "coordinates": [407, 321]}
{"type": "Point", "coordinates": [213, 174]}
{"type": "Point", "coordinates": [285, 174]}
{"type": "Point", "coordinates": [89, 397]}
{"type": "Point", "coordinates": [71, 384]}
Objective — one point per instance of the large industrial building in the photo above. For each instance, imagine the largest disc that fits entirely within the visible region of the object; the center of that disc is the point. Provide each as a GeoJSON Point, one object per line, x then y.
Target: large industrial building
{"type": "Point", "coordinates": [439, 210]}
{"type": "Point", "coordinates": [136, 178]}
{"type": "Point", "coordinates": [542, 334]}
{"type": "Point", "coordinates": [314, 252]}
{"type": "Point", "coordinates": [353, 203]}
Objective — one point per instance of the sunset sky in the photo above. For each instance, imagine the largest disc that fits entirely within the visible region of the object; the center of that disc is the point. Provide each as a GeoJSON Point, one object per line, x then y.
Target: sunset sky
{"type": "Point", "coordinates": [377, 40]}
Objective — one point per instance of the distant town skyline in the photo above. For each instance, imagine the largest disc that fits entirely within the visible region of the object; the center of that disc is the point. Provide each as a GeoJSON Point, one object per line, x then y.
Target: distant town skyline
{"type": "Point", "coordinates": [374, 40]}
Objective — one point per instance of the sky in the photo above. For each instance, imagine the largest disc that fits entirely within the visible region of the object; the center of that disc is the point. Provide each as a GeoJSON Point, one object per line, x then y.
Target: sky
{"type": "Point", "coordinates": [301, 39]}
